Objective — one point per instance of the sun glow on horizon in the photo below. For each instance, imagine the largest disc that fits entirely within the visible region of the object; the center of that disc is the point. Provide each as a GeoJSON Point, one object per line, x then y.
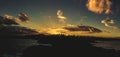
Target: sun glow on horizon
{"type": "Point", "coordinates": [60, 31]}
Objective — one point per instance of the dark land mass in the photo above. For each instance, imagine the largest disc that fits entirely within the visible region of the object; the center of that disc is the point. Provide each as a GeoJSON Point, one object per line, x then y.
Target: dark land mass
{"type": "Point", "coordinates": [61, 45]}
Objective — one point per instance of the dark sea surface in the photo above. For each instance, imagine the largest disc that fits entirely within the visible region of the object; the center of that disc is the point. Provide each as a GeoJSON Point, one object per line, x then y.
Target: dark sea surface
{"type": "Point", "coordinates": [14, 47]}
{"type": "Point", "coordinates": [115, 44]}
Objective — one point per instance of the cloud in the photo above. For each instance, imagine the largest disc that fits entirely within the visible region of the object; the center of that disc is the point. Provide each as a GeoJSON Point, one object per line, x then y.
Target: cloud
{"type": "Point", "coordinates": [99, 6]}
{"type": "Point", "coordinates": [85, 29]}
{"type": "Point", "coordinates": [7, 27]}
{"type": "Point", "coordinates": [60, 16]}
{"type": "Point", "coordinates": [109, 23]}
{"type": "Point", "coordinates": [23, 17]}
{"type": "Point", "coordinates": [17, 30]}
{"type": "Point", "coordinates": [8, 20]}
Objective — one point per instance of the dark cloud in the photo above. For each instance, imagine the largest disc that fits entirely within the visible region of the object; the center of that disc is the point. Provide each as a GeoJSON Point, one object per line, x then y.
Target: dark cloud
{"type": "Point", "coordinates": [16, 30]}
{"type": "Point", "coordinates": [83, 29]}
{"type": "Point", "coordinates": [23, 17]}
{"type": "Point", "coordinates": [7, 28]}
{"type": "Point", "coordinates": [10, 20]}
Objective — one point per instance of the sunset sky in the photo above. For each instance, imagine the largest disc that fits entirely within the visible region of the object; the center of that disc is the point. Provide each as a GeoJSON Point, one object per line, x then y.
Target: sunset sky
{"type": "Point", "coordinates": [43, 13]}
